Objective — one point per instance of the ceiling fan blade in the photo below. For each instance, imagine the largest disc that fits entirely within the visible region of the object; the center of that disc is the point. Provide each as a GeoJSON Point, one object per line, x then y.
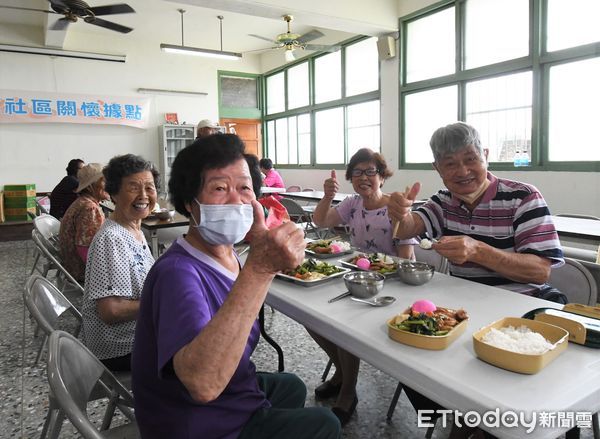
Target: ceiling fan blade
{"type": "Point", "coordinates": [120, 8]}
{"type": "Point", "coordinates": [108, 25]}
{"type": "Point", "coordinates": [262, 38]}
{"type": "Point", "coordinates": [322, 48]}
{"type": "Point", "coordinates": [261, 50]}
{"type": "Point", "coordinates": [60, 24]}
{"type": "Point", "coordinates": [58, 3]}
{"type": "Point", "coordinates": [309, 36]}
{"type": "Point", "coordinates": [28, 9]}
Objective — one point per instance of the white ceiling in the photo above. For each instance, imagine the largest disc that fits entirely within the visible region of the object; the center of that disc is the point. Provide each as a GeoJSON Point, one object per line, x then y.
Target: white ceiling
{"type": "Point", "coordinates": [158, 21]}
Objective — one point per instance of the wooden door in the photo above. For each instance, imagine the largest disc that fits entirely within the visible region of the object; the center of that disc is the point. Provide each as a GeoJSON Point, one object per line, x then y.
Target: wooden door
{"type": "Point", "coordinates": [249, 131]}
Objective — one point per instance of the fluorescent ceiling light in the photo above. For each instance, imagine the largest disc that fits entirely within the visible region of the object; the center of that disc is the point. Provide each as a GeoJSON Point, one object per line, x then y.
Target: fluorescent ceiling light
{"type": "Point", "coordinates": [186, 50]}
{"type": "Point", "coordinates": [62, 53]}
{"type": "Point", "coordinates": [196, 51]}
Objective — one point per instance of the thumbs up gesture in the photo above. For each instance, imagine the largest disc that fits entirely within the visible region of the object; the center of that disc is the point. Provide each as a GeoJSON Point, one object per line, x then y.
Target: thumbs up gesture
{"type": "Point", "coordinates": [281, 248]}
{"type": "Point", "coordinates": [400, 206]}
{"type": "Point", "coordinates": [331, 186]}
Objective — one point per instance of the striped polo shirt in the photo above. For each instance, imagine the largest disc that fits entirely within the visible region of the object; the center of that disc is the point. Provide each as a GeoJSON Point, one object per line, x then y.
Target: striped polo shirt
{"type": "Point", "coordinates": [511, 216]}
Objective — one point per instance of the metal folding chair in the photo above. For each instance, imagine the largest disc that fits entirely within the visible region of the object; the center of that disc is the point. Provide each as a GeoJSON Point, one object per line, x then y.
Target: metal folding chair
{"type": "Point", "coordinates": [76, 376]}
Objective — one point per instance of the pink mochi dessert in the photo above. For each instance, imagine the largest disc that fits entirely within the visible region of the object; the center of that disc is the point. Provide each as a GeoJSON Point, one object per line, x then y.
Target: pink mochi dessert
{"type": "Point", "coordinates": [363, 263]}
{"type": "Point", "coordinates": [423, 306]}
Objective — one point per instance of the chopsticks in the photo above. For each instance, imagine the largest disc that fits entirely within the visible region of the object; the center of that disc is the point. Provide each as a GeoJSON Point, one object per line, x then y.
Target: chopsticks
{"type": "Point", "coordinates": [397, 224]}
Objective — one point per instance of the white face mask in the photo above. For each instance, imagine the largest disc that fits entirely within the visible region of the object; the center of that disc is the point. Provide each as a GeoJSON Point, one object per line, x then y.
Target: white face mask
{"type": "Point", "coordinates": [224, 224]}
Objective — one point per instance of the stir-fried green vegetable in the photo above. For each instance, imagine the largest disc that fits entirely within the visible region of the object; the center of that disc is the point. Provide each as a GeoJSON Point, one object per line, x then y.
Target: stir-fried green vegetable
{"type": "Point", "coordinates": [420, 324]}
{"type": "Point", "coordinates": [312, 266]}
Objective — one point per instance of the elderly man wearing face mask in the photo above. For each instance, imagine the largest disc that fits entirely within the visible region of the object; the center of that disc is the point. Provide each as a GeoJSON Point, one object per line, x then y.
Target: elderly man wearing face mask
{"type": "Point", "coordinates": [492, 230]}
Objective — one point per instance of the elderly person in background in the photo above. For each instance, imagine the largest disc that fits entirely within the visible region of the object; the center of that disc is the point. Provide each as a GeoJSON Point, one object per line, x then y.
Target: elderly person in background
{"type": "Point", "coordinates": [492, 230]}
{"type": "Point", "coordinates": [118, 262]}
{"type": "Point", "coordinates": [198, 327]}
{"type": "Point", "coordinates": [366, 214]}
{"type": "Point", "coordinates": [272, 177]}
{"type": "Point", "coordinates": [64, 194]}
{"type": "Point", "coordinates": [82, 220]}
{"type": "Point", "coordinates": [206, 127]}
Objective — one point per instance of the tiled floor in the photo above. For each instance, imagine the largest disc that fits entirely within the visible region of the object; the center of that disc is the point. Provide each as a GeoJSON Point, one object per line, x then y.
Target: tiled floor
{"type": "Point", "coordinates": [23, 385]}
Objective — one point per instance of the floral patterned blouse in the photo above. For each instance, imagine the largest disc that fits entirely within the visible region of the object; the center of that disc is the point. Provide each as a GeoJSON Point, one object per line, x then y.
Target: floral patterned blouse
{"type": "Point", "coordinates": [78, 226]}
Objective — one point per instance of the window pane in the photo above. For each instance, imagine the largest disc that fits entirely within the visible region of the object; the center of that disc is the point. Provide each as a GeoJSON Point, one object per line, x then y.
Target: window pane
{"type": "Point", "coordinates": [239, 92]}
{"type": "Point", "coordinates": [432, 35]}
{"type": "Point", "coordinates": [329, 136]}
{"type": "Point", "coordinates": [424, 113]}
{"type": "Point", "coordinates": [271, 140]}
{"type": "Point", "coordinates": [572, 23]}
{"type": "Point", "coordinates": [328, 77]}
{"type": "Point", "coordinates": [362, 67]}
{"type": "Point", "coordinates": [573, 121]}
{"type": "Point", "coordinates": [282, 141]}
{"type": "Point", "coordinates": [275, 93]}
{"type": "Point", "coordinates": [297, 86]}
{"type": "Point", "coordinates": [363, 127]}
{"type": "Point", "coordinates": [293, 145]}
{"type": "Point", "coordinates": [304, 139]}
{"type": "Point", "coordinates": [496, 30]}
{"type": "Point", "coordinates": [500, 109]}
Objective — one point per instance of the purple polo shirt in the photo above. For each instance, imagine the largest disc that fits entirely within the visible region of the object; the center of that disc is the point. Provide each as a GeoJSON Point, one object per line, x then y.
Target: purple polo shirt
{"type": "Point", "coordinates": [183, 291]}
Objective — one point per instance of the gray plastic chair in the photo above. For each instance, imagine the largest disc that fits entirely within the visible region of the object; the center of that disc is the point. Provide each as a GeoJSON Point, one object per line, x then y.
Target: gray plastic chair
{"type": "Point", "coordinates": [300, 216]}
{"type": "Point", "coordinates": [49, 229]}
{"type": "Point", "coordinates": [576, 282]}
{"type": "Point", "coordinates": [64, 278]}
{"type": "Point", "coordinates": [76, 376]}
{"type": "Point", "coordinates": [47, 305]}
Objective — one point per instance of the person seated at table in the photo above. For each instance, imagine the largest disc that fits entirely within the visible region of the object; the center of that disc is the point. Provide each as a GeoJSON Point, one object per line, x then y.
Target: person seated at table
{"type": "Point", "coordinates": [82, 220]}
{"type": "Point", "coordinates": [118, 262]}
{"type": "Point", "coordinates": [272, 177]}
{"type": "Point", "coordinates": [63, 195]}
{"type": "Point", "coordinates": [370, 231]}
{"type": "Point", "coordinates": [198, 327]}
{"type": "Point", "coordinates": [492, 230]}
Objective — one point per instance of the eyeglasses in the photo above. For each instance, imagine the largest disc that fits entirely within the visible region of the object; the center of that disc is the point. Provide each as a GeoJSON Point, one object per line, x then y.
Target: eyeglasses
{"type": "Point", "coordinates": [368, 172]}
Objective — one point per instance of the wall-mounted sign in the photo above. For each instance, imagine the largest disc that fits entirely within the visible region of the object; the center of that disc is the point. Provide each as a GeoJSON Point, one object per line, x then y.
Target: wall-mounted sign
{"type": "Point", "coordinates": [18, 106]}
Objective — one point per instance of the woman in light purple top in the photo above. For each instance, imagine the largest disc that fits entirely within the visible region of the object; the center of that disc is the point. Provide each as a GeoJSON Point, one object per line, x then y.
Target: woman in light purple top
{"type": "Point", "coordinates": [371, 231]}
{"type": "Point", "coordinates": [197, 326]}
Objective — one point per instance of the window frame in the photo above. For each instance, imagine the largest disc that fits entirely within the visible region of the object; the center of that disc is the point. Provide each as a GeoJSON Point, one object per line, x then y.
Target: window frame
{"type": "Point", "coordinates": [312, 108]}
{"type": "Point", "coordinates": [538, 61]}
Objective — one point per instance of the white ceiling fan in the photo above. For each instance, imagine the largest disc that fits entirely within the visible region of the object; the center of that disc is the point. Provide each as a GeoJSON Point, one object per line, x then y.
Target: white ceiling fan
{"type": "Point", "coordinates": [291, 41]}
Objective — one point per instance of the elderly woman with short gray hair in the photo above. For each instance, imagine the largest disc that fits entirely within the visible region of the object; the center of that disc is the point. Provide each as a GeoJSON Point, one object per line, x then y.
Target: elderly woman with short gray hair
{"type": "Point", "coordinates": [118, 262]}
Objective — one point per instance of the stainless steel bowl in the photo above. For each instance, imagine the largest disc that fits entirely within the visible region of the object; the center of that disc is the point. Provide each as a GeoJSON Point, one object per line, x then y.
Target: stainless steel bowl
{"type": "Point", "coordinates": [415, 273]}
{"type": "Point", "coordinates": [364, 284]}
{"type": "Point", "coordinates": [165, 214]}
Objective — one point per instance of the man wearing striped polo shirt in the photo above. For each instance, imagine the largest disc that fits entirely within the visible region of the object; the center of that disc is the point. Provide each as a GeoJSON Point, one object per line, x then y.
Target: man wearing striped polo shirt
{"type": "Point", "coordinates": [492, 230]}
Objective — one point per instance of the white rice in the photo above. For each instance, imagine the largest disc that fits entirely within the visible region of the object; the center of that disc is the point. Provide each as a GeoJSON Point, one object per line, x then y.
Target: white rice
{"type": "Point", "coordinates": [521, 340]}
{"type": "Point", "coordinates": [425, 244]}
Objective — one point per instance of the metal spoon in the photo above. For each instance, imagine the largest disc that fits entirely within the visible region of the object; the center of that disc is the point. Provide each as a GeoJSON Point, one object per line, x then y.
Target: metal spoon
{"type": "Point", "coordinates": [377, 301]}
{"type": "Point", "coordinates": [341, 296]}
